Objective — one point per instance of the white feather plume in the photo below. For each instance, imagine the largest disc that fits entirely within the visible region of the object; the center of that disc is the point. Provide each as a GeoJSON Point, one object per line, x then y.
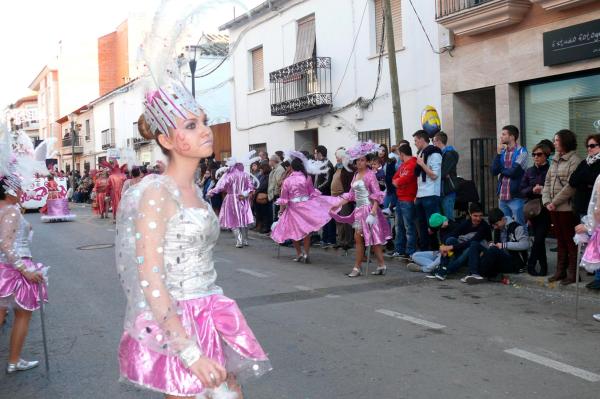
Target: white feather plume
{"type": "Point", "coordinates": [312, 166]}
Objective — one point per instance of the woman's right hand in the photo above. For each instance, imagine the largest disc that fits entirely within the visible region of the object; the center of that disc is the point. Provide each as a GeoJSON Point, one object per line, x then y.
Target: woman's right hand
{"type": "Point", "coordinates": [33, 277]}
{"type": "Point", "coordinates": [209, 372]}
{"type": "Point", "coordinates": [580, 229]}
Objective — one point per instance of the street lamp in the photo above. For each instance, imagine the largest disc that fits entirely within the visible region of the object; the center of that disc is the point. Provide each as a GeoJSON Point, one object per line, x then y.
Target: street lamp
{"type": "Point", "coordinates": [72, 120]}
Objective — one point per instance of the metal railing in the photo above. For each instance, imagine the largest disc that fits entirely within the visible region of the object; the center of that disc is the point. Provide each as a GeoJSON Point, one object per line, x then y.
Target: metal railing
{"type": "Point", "coordinates": [303, 86]}
{"type": "Point", "coordinates": [68, 142]}
{"type": "Point", "coordinates": [483, 152]}
{"type": "Point", "coordinates": [447, 7]}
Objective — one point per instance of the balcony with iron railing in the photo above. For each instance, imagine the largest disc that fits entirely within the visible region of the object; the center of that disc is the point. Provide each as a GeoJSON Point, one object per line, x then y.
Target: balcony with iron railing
{"type": "Point", "coordinates": [472, 17]}
{"type": "Point", "coordinates": [108, 138]}
{"type": "Point", "coordinates": [68, 145]}
{"type": "Point", "coordinates": [303, 86]}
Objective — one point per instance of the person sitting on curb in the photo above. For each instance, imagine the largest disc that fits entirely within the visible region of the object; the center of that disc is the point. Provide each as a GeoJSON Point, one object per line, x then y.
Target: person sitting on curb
{"type": "Point", "coordinates": [508, 252]}
{"type": "Point", "coordinates": [426, 261]}
{"type": "Point", "coordinates": [467, 238]}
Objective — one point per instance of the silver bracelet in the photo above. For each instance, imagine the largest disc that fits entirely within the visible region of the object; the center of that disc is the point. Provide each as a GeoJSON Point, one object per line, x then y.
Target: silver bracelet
{"type": "Point", "coordinates": [190, 355]}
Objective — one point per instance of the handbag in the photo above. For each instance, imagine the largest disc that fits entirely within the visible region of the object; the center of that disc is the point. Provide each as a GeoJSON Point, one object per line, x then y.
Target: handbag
{"type": "Point", "coordinates": [532, 208]}
{"type": "Point", "coordinates": [262, 198]}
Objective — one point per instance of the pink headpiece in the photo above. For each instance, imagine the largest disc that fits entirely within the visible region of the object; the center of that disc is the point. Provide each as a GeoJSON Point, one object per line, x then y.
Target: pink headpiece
{"type": "Point", "coordinates": [361, 149]}
{"type": "Point", "coordinates": [168, 102]}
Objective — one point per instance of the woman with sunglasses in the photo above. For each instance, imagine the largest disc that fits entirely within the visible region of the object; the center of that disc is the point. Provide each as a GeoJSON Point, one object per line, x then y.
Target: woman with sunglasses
{"type": "Point", "coordinates": [556, 197]}
{"type": "Point", "coordinates": [531, 189]}
{"type": "Point", "coordinates": [582, 180]}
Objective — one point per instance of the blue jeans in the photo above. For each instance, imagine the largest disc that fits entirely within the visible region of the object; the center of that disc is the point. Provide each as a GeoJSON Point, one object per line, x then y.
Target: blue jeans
{"type": "Point", "coordinates": [425, 207]}
{"type": "Point", "coordinates": [390, 200]}
{"type": "Point", "coordinates": [469, 255]}
{"type": "Point", "coordinates": [448, 205]}
{"type": "Point", "coordinates": [514, 209]}
{"type": "Point", "coordinates": [406, 238]}
{"type": "Point", "coordinates": [597, 275]}
{"type": "Point", "coordinates": [428, 260]}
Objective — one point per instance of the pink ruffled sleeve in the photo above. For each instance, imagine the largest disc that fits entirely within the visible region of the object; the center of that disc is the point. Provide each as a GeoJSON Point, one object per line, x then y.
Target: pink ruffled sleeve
{"type": "Point", "coordinates": [221, 185]}
{"type": "Point", "coordinates": [310, 189]}
{"type": "Point", "coordinates": [375, 194]}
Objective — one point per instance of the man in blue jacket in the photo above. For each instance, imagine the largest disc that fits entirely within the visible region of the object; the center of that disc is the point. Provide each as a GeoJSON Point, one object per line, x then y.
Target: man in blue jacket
{"type": "Point", "coordinates": [510, 165]}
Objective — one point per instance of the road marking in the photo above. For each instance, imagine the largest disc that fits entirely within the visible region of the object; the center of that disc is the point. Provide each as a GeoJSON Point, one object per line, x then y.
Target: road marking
{"type": "Point", "coordinates": [553, 364]}
{"type": "Point", "coordinates": [222, 260]}
{"type": "Point", "coordinates": [411, 319]}
{"type": "Point", "coordinates": [253, 273]}
{"type": "Point", "coordinates": [303, 288]}
{"type": "Point", "coordinates": [111, 230]}
{"type": "Point", "coordinates": [332, 296]}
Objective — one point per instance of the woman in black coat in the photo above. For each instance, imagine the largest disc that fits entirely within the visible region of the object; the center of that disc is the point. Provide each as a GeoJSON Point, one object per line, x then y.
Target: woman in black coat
{"type": "Point", "coordinates": [584, 176]}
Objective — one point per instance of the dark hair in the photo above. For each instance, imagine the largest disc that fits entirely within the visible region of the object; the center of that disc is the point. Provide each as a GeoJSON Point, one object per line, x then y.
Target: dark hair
{"type": "Point", "coordinates": [136, 172]}
{"type": "Point", "coordinates": [321, 149]}
{"type": "Point", "coordinates": [475, 207]}
{"type": "Point", "coordinates": [441, 136]}
{"type": "Point", "coordinates": [568, 141]}
{"type": "Point", "coordinates": [144, 169]}
{"type": "Point", "coordinates": [595, 137]}
{"type": "Point", "coordinates": [548, 144]}
{"type": "Point", "coordinates": [405, 149]}
{"type": "Point", "coordinates": [2, 191]}
{"type": "Point", "coordinates": [298, 166]}
{"type": "Point", "coordinates": [402, 142]}
{"type": "Point", "coordinates": [543, 147]}
{"type": "Point", "coordinates": [512, 131]}
{"type": "Point", "coordinates": [265, 168]}
{"type": "Point", "coordinates": [280, 155]}
{"type": "Point", "coordinates": [495, 215]}
{"type": "Point", "coordinates": [285, 164]}
{"type": "Point", "coordinates": [422, 134]}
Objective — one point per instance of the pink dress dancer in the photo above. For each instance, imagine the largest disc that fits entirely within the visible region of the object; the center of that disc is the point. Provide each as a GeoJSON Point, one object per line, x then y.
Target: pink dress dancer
{"type": "Point", "coordinates": [15, 240]}
{"type": "Point", "coordinates": [362, 193]}
{"type": "Point", "coordinates": [236, 213]}
{"type": "Point", "coordinates": [175, 310]}
{"type": "Point", "coordinates": [591, 256]}
{"type": "Point", "coordinates": [306, 209]}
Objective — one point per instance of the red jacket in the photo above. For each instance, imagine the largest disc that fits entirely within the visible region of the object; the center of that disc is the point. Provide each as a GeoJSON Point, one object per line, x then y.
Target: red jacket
{"type": "Point", "coordinates": [406, 181]}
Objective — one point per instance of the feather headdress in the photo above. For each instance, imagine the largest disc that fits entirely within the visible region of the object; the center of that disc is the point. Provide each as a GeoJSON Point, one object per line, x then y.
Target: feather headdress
{"type": "Point", "coordinates": [313, 167]}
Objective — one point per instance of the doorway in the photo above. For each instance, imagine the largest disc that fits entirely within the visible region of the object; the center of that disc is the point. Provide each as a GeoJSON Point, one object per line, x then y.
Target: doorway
{"type": "Point", "coordinates": [306, 140]}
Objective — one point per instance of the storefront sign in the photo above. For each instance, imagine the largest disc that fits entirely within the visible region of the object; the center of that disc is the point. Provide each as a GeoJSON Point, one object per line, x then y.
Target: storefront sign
{"type": "Point", "coordinates": [575, 43]}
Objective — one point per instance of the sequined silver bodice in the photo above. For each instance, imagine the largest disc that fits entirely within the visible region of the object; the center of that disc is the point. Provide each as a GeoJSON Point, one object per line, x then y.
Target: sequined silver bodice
{"type": "Point", "coordinates": [22, 239]}
{"type": "Point", "coordinates": [188, 253]}
{"type": "Point", "coordinates": [361, 194]}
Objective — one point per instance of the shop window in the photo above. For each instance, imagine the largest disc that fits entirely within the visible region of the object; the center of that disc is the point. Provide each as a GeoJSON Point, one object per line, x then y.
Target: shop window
{"type": "Point", "coordinates": [381, 136]}
{"type": "Point", "coordinates": [572, 103]}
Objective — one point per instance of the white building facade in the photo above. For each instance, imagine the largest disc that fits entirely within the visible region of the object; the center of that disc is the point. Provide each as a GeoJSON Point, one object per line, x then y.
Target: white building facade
{"type": "Point", "coordinates": [344, 93]}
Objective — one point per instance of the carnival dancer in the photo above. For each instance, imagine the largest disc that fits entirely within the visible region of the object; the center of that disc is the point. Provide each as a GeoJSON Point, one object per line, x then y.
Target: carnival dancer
{"type": "Point", "coordinates": [371, 227]}
{"type": "Point", "coordinates": [22, 282]}
{"type": "Point", "coordinates": [303, 209]}
{"type": "Point", "coordinates": [136, 177]}
{"type": "Point", "coordinates": [182, 336]}
{"type": "Point", "coordinates": [115, 184]}
{"type": "Point", "coordinates": [99, 192]}
{"type": "Point", "coordinates": [56, 208]}
{"type": "Point", "coordinates": [236, 213]}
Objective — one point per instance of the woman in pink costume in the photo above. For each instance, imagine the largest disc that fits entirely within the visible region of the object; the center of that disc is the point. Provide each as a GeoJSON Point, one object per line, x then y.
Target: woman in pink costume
{"type": "Point", "coordinates": [236, 213]}
{"type": "Point", "coordinates": [302, 207]}
{"type": "Point", "coordinates": [370, 226]}
{"type": "Point", "coordinates": [22, 282]}
{"type": "Point", "coordinates": [116, 180]}
{"type": "Point", "coordinates": [182, 336]}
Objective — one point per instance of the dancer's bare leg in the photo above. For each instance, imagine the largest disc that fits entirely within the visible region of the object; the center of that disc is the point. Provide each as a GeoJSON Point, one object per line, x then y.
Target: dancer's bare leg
{"type": "Point", "coordinates": [3, 313]}
{"type": "Point", "coordinates": [378, 249]}
{"type": "Point", "coordinates": [18, 334]}
{"type": "Point", "coordinates": [360, 249]}
{"type": "Point", "coordinates": [297, 248]}
{"type": "Point", "coordinates": [307, 244]}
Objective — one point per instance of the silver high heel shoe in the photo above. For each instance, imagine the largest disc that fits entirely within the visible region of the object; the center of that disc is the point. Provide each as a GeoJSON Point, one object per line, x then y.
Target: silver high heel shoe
{"type": "Point", "coordinates": [21, 365]}
{"type": "Point", "coordinates": [380, 271]}
{"type": "Point", "coordinates": [299, 258]}
{"type": "Point", "coordinates": [305, 259]}
{"type": "Point", "coordinates": [355, 273]}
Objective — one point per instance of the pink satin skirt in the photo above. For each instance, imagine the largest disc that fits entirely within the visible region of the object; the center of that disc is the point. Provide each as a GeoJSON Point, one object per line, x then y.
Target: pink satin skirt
{"type": "Point", "coordinates": [16, 289]}
{"type": "Point", "coordinates": [591, 256]}
{"type": "Point", "coordinates": [223, 335]}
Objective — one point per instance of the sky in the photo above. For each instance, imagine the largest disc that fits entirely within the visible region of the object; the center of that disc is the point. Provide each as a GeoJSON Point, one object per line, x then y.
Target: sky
{"type": "Point", "coordinates": [30, 31]}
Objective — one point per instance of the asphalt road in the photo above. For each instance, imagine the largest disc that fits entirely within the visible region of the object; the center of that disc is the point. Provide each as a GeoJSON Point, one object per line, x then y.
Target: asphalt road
{"type": "Point", "coordinates": [328, 336]}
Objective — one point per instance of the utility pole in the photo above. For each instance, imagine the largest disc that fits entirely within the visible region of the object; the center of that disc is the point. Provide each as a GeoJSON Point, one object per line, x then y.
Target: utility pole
{"type": "Point", "coordinates": [391, 50]}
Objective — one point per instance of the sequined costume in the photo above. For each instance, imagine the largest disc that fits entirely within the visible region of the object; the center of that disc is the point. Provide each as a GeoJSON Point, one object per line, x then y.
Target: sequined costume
{"type": "Point", "coordinates": [235, 213]}
{"type": "Point", "coordinates": [363, 192]}
{"type": "Point", "coordinates": [306, 210]}
{"type": "Point", "coordinates": [114, 188]}
{"type": "Point", "coordinates": [100, 186]}
{"type": "Point", "coordinates": [56, 208]}
{"type": "Point", "coordinates": [591, 257]}
{"type": "Point", "coordinates": [164, 257]}
{"type": "Point", "coordinates": [15, 240]}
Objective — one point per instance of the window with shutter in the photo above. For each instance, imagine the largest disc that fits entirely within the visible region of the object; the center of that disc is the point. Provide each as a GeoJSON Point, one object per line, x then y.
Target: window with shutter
{"type": "Point", "coordinates": [258, 76]}
{"type": "Point", "coordinates": [396, 22]}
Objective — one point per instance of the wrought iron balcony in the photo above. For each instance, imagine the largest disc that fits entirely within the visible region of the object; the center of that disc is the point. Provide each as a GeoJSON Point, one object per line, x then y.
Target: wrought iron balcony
{"type": "Point", "coordinates": [300, 87]}
{"type": "Point", "coordinates": [471, 17]}
{"type": "Point", "coordinates": [68, 145]}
